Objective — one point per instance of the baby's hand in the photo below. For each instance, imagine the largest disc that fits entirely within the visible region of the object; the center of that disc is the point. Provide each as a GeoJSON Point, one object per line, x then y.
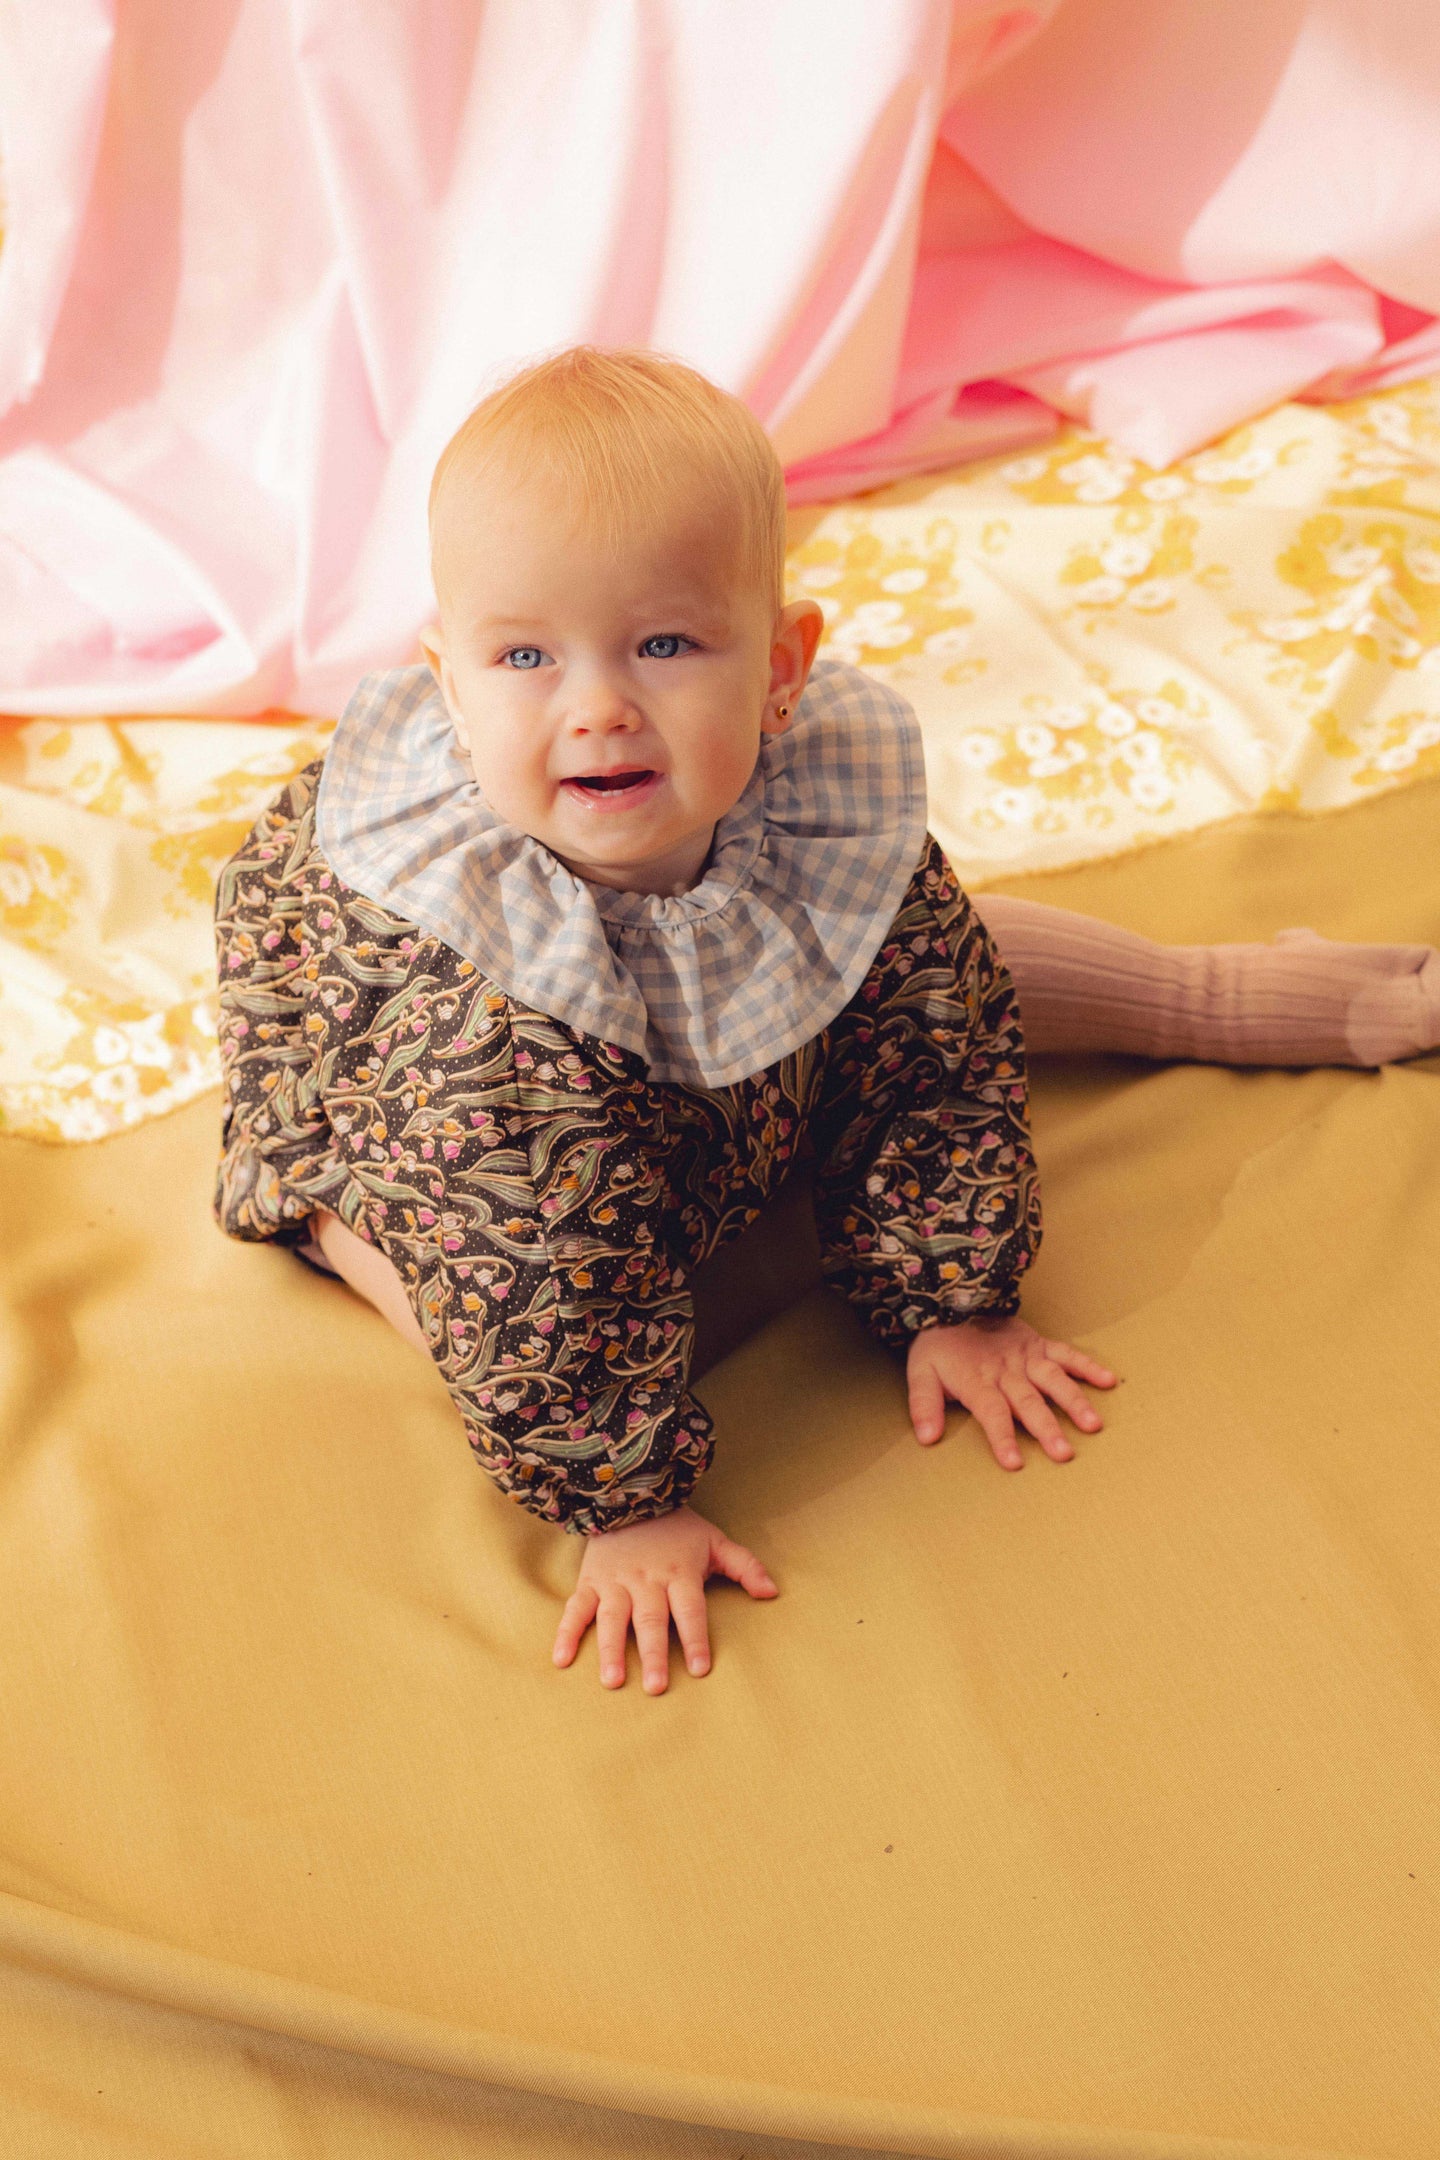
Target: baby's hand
{"type": "Point", "coordinates": [645, 1572]}
{"type": "Point", "coordinates": [1001, 1369]}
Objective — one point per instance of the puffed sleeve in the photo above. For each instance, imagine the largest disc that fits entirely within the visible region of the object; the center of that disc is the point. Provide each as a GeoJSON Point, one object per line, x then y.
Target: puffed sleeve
{"type": "Point", "coordinates": [518, 1198]}
{"type": "Point", "coordinates": [927, 1199]}
{"type": "Point", "coordinates": [276, 1158]}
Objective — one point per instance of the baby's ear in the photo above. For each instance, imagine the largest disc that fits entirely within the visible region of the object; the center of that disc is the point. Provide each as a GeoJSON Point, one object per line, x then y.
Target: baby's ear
{"type": "Point", "coordinates": [797, 633]}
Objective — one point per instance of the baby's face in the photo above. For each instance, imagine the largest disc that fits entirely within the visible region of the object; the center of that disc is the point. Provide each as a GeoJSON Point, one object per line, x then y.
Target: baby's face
{"type": "Point", "coordinates": [612, 705]}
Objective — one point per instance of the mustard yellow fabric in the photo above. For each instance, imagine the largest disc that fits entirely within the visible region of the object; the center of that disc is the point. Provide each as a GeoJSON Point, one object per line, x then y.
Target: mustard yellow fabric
{"type": "Point", "coordinates": [1100, 656]}
{"type": "Point", "coordinates": [1088, 1810]}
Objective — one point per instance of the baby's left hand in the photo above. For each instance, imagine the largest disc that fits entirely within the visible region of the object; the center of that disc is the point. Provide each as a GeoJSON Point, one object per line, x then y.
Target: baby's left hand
{"type": "Point", "coordinates": [1001, 1369]}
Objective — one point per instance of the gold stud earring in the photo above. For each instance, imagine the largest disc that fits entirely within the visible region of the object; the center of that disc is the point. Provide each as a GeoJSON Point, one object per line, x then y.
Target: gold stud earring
{"type": "Point", "coordinates": [782, 712]}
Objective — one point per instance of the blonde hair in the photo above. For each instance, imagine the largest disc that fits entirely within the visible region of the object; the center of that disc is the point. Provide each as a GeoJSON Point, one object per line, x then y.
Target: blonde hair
{"type": "Point", "coordinates": [623, 430]}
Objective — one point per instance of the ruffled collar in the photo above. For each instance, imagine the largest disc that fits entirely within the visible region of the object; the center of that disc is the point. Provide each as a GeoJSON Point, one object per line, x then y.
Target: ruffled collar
{"type": "Point", "coordinates": [709, 986]}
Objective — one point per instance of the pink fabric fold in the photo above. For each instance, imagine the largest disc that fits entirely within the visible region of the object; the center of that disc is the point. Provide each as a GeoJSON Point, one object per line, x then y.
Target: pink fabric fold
{"type": "Point", "coordinates": [262, 255]}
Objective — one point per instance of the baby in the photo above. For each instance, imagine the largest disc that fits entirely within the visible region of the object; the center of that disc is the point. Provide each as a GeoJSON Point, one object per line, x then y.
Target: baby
{"type": "Point", "coordinates": [536, 986]}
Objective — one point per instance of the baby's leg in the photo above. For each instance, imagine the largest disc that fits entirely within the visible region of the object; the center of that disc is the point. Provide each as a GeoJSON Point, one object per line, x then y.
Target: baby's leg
{"type": "Point", "coordinates": [1303, 1000]}
{"type": "Point", "coordinates": [366, 1270]}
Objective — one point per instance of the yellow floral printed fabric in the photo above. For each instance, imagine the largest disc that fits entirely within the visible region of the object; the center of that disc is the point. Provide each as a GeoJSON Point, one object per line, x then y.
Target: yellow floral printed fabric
{"type": "Point", "coordinates": [1100, 655]}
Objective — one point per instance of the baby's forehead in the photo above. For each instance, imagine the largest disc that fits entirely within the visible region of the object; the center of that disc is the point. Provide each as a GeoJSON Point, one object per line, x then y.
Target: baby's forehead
{"type": "Point", "coordinates": [495, 528]}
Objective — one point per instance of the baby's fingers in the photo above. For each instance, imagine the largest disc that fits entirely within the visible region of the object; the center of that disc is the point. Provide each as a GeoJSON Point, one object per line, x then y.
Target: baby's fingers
{"type": "Point", "coordinates": [1036, 1415]}
{"type": "Point", "coordinates": [687, 1602]}
{"type": "Point", "coordinates": [1072, 1400]}
{"type": "Point", "coordinates": [1080, 1363]}
{"type": "Point", "coordinates": [927, 1403]}
{"type": "Point", "coordinates": [741, 1565]}
{"type": "Point", "coordinates": [579, 1612]}
{"type": "Point", "coordinates": [991, 1413]}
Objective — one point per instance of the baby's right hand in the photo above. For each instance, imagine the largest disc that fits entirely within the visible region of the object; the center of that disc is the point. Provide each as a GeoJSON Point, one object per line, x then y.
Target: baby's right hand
{"type": "Point", "coordinates": [644, 1573]}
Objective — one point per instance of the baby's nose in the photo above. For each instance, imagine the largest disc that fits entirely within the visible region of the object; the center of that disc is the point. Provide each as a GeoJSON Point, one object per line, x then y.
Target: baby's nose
{"type": "Point", "coordinates": [602, 708]}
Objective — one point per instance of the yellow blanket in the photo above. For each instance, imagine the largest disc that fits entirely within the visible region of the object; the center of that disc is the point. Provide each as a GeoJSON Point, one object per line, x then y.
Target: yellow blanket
{"type": "Point", "coordinates": [1100, 656]}
{"type": "Point", "coordinates": [1085, 1811]}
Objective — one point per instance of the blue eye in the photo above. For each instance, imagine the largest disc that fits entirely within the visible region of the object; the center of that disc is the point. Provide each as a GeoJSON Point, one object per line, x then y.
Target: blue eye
{"type": "Point", "coordinates": [524, 656]}
{"type": "Point", "coordinates": [669, 640]}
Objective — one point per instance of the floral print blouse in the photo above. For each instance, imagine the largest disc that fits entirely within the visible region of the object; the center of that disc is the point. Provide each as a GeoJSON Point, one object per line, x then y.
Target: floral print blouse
{"type": "Point", "coordinates": [545, 1203]}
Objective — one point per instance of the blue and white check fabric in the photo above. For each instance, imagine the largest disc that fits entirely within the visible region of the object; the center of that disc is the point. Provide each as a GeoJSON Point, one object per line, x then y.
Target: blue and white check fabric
{"type": "Point", "coordinates": [709, 986]}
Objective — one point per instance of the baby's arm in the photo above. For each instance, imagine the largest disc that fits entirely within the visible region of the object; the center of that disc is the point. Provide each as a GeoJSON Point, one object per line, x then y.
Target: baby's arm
{"type": "Point", "coordinates": [639, 1575]}
{"type": "Point", "coordinates": [277, 1149]}
{"type": "Point", "coordinates": [928, 1199]}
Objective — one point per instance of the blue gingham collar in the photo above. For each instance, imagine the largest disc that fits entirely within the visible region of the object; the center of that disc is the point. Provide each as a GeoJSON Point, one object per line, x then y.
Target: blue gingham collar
{"type": "Point", "coordinates": [708, 986]}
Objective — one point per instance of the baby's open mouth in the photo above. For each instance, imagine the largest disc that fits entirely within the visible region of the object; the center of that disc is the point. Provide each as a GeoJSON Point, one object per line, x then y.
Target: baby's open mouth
{"type": "Point", "coordinates": [613, 783]}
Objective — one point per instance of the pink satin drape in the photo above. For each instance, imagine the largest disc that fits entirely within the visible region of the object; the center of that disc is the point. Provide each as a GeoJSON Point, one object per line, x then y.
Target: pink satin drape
{"type": "Point", "coordinates": [261, 255]}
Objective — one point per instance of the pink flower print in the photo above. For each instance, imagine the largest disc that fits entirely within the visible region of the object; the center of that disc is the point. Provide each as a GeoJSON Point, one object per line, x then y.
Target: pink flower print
{"type": "Point", "coordinates": [384, 1044]}
{"type": "Point", "coordinates": [497, 1290]}
{"type": "Point", "coordinates": [395, 1148]}
{"type": "Point", "coordinates": [636, 1417]}
{"type": "Point", "coordinates": [452, 1244]}
{"type": "Point", "coordinates": [427, 1216]}
{"type": "Point", "coordinates": [417, 1027]}
{"type": "Point", "coordinates": [450, 1150]}
{"type": "Point", "coordinates": [427, 1149]}
{"type": "Point", "coordinates": [235, 960]}
{"type": "Point", "coordinates": [271, 939]}
{"type": "Point", "coordinates": [241, 1027]}
{"type": "Point", "coordinates": [546, 1326]}
{"type": "Point", "coordinates": [578, 1432]}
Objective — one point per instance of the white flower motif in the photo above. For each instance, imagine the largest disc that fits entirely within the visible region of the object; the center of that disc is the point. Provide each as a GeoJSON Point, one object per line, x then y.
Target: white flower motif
{"type": "Point", "coordinates": [1154, 594]}
{"type": "Point", "coordinates": [1214, 471]}
{"type": "Point", "coordinates": [1165, 487]}
{"type": "Point", "coordinates": [1143, 752]}
{"type": "Point", "coordinates": [1430, 661]}
{"type": "Point", "coordinates": [904, 580]}
{"type": "Point", "coordinates": [1398, 758]}
{"type": "Point", "coordinates": [15, 885]}
{"type": "Point", "coordinates": [1014, 806]}
{"type": "Point", "coordinates": [949, 644]}
{"type": "Point", "coordinates": [819, 576]}
{"type": "Point", "coordinates": [1353, 560]}
{"type": "Point", "coordinates": [1126, 558]}
{"type": "Point", "coordinates": [1426, 735]}
{"type": "Point", "coordinates": [1021, 470]}
{"type": "Point", "coordinates": [1064, 760]}
{"type": "Point", "coordinates": [110, 1046]}
{"type": "Point", "coordinates": [1034, 740]}
{"type": "Point", "coordinates": [118, 1084]}
{"type": "Point", "coordinates": [1150, 791]}
{"type": "Point", "coordinates": [1287, 629]}
{"type": "Point", "coordinates": [1100, 592]}
{"type": "Point", "coordinates": [875, 612]}
{"type": "Point", "coordinates": [1391, 423]}
{"type": "Point", "coordinates": [82, 1120]}
{"type": "Point", "coordinates": [1156, 712]}
{"type": "Point", "coordinates": [1252, 464]}
{"type": "Point", "coordinates": [1096, 479]}
{"type": "Point", "coordinates": [1115, 722]}
{"type": "Point", "coordinates": [883, 634]}
{"type": "Point", "coordinates": [979, 750]}
{"type": "Point", "coordinates": [1071, 715]}
{"type": "Point", "coordinates": [1423, 563]}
